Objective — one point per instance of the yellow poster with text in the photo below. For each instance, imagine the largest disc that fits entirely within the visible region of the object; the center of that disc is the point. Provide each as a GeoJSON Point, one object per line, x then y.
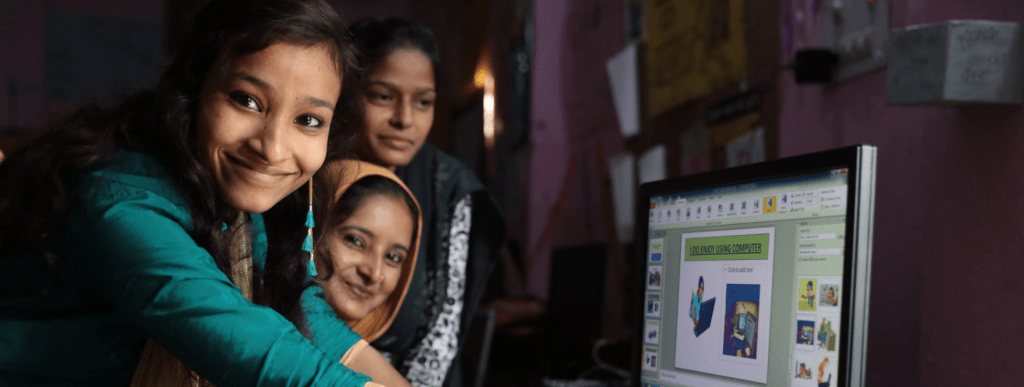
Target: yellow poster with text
{"type": "Point", "coordinates": [692, 47]}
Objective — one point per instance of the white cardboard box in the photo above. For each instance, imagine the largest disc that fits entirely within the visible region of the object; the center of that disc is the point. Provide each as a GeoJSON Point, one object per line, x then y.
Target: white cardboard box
{"type": "Point", "coordinates": [954, 62]}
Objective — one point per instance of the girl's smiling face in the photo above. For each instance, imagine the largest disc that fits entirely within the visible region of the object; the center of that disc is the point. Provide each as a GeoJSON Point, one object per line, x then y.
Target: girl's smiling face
{"type": "Point", "coordinates": [263, 122]}
{"type": "Point", "coordinates": [368, 250]}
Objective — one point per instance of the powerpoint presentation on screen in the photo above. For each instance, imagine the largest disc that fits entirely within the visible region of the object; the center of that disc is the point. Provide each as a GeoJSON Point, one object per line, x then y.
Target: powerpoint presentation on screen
{"type": "Point", "coordinates": [725, 293]}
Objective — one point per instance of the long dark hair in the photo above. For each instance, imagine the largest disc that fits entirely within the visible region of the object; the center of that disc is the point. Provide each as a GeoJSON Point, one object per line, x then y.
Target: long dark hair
{"type": "Point", "coordinates": [379, 36]}
{"type": "Point", "coordinates": [35, 197]}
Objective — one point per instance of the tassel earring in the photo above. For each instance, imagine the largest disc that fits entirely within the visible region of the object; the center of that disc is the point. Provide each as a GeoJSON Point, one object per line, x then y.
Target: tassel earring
{"type": "Point", "coordinates": [308, 244]}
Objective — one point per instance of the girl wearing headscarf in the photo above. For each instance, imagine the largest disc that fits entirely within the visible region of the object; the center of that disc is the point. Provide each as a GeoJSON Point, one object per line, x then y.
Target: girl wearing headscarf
{"type": "Point", "coordinates": [367, 255]}
{"type": "Point", "coordinates": [462, 226]}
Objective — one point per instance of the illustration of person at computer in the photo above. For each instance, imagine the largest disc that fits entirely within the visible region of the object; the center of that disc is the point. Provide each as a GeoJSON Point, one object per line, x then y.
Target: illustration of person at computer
{"type": "Point", "coordinates": [805, 332]}
{"type": "Point", "coordinates": [808, 296]}
{"type": "Point", "coordinates": [822, 382]}
{"type": "Point", "coordinates": [830, 297]}
{"type": "Point", "coordinates": [737, 344]}
{"type": "Point", "coordinates": [803, 372]}
{"type": "Point", "coordinates": [655, 279]}
{"type": "Point", "coordinates": [740, 323]}
{"type": "Point", "coordinates": [701, 311]}
{"type": "Point", "coordinates": [695, 301]}
{"type": "Point", "coordinates": [826, 326]}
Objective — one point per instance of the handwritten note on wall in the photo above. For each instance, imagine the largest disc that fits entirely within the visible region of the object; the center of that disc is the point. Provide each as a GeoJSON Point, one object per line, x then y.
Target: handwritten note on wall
{"type": "Point", "coordinates": [980, 59]}
{"type": "Point", "coordinates": [955, 61]}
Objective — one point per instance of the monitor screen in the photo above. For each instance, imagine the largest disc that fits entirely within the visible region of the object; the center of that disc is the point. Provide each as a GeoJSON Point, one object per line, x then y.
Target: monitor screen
{"type": "Point", "coordinates": [757, 275]}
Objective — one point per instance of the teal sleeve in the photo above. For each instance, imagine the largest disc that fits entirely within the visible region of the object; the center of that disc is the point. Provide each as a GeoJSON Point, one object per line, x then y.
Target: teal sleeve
{"type": "Point", "coordinates": [137, 255]}
{"type": "Point", "coordinates": [330, 334]}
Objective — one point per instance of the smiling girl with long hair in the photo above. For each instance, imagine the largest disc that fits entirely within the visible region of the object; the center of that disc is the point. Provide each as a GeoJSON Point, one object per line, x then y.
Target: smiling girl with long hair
{"type": "Point", "coordinates": [141, 222]}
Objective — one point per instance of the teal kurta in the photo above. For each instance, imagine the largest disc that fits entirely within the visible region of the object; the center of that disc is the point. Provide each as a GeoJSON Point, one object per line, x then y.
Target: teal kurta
{"type": "Point", "coordinates": [131, 271]}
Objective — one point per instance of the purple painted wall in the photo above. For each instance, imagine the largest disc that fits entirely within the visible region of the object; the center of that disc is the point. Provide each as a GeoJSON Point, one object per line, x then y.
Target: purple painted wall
{"type": "Point", "coordinates": [548, 137]}
{"type": "Point", "coordinates": [573, 118]}
{"type": "Point", "coordinates": [946, 228]}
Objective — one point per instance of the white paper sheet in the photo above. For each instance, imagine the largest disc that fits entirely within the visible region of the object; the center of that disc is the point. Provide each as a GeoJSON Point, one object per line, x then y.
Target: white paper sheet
{"type": "Point", "coordinates": [651, 166]}
{"type": "Point", "coordinates": [622, 74]}
{"type": "Point", "coordinates": [746, 149]}
{"type": "Point", "coordinates": [624, 189]}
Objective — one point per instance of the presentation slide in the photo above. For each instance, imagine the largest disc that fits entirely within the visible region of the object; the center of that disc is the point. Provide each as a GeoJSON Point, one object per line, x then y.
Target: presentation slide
{"type": "Point", "coordinates": [726, 277]}
{"type": "Point", "coordinates": [651, 330]}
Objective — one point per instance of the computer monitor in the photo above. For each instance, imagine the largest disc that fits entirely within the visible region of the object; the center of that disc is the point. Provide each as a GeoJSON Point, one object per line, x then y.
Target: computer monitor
{"type": "Point", "coordinates": [785, 248]}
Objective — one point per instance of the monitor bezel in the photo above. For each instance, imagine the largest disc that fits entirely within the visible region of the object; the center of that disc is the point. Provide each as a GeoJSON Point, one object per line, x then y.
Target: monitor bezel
{"type": "Point", "coordinates": [861, 163]}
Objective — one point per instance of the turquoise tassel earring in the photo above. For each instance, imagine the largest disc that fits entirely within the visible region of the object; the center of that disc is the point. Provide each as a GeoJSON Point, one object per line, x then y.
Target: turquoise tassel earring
{"type": "Point", "coordinates": [307, 245]}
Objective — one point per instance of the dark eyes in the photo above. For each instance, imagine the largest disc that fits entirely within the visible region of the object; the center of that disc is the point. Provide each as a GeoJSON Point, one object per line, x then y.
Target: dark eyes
{"type": "Point", "coordinates": [246, 101]}
{"type": "Point", "coordinates": [354, 240]}
{"type": "Point", "coordinates": [309, 121]}
{"type": "Point", "coordinates": [425, 103]}
{"type": "Point", "coordinates": [393, 257]}
{"type": "Point", "coordinates": [379, 97]}
{"type": "Point", "coordinates": [382, 98]}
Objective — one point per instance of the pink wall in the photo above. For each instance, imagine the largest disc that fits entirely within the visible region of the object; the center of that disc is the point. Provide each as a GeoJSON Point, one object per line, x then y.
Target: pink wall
{"type": "Point", "coordinates": [946, 227]}
{"type": "Point", "coordinates": [572, 113]}
{"type": "Point", "coordinates": [547, 135]}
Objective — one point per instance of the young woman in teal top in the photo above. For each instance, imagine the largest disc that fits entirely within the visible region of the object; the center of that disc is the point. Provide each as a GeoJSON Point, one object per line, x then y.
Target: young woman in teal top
{"type": "Point", "coordinates": [131, 223]}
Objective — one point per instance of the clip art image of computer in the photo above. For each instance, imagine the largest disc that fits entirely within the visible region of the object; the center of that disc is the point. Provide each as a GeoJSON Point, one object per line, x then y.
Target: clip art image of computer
{"type": "Point", "coordinates": [707, 310]}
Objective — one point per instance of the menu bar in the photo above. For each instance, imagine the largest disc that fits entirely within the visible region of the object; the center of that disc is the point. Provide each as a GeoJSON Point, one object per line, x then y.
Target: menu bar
{"type": "Point", "coordinates": [681, 210]}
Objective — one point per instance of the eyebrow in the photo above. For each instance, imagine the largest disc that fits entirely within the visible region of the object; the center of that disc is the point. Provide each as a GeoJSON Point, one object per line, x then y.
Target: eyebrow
{"type": "Point", "coordinates": [319, 102]}
{"type": "Point", "coordinates": [394, 86]}
{"type": "Point", "coordinates": [254, 80]}
{"type": "Point", "coordinates": [360, 229]}
{"type": "Point", "coordinates": [268, 87]}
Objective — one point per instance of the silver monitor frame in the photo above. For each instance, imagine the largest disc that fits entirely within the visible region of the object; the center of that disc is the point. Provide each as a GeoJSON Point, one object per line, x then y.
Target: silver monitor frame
{"type": "Point", "coordinates": [861, 161]}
